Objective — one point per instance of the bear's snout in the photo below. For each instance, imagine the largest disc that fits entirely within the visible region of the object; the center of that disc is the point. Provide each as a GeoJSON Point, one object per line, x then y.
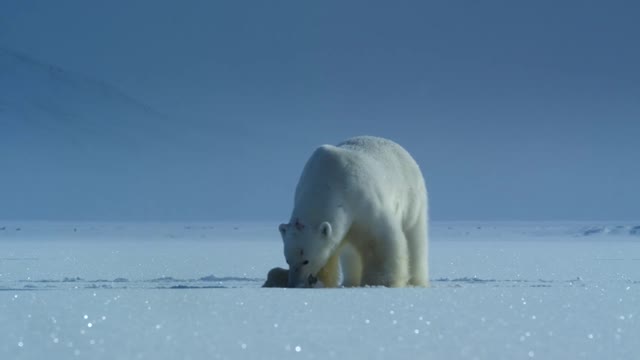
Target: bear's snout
{"type": "Point", "coordinates": [297, 279]}
{"type": "Point", "coordinates": [312, 280]}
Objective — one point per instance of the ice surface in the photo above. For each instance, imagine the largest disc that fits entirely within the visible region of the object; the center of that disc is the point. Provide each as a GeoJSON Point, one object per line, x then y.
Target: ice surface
{"type": "Point", "coordinates": [192, 291]}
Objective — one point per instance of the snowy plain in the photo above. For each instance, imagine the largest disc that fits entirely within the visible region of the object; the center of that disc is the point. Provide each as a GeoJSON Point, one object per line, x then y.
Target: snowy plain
{"type": "Point", "coordinates": [192, 291]}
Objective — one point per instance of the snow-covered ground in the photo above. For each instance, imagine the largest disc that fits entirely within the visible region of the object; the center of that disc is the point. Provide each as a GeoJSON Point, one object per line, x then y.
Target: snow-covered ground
{"type": "Point", "coordinates": [192, 291]}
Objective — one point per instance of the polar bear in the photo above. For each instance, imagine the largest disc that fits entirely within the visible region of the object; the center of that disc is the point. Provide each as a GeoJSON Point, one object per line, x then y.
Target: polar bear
{"type": "Point", "coordinates": [364, 200]}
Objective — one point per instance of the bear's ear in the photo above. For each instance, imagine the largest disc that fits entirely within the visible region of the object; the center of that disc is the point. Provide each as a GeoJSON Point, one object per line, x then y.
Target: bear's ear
{"type": "Point", "coordinates": [283, 229]}
{"type": "Point", "coordinates": [325, 229]}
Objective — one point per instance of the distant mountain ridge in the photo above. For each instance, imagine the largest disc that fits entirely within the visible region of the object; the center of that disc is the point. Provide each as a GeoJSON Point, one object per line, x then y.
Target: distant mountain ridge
{"type": "Point", "coordinates": [45, 103]}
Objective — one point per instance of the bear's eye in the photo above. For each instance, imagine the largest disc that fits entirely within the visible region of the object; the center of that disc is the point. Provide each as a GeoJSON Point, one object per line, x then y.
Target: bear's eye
{"type": "Point", "coordinates": [305, 262]}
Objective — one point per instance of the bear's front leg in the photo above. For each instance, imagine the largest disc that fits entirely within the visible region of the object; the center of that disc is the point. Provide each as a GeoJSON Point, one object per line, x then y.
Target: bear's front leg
{"type": "Point", "coordinates": [329, 275]}
{"type": "Point", "coordinates": [351, 265]}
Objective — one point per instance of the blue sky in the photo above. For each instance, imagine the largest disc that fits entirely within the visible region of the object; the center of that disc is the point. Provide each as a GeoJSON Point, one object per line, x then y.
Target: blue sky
{"type": "Point", "coordinates": [514, 110]}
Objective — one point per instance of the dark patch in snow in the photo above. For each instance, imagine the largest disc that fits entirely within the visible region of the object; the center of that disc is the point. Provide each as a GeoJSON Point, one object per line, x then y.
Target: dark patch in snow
{"type": "Point", "coordinates": [95, 286]}
{"type": "Point", "coordinates": [471, 280]}
{"type": "Point", "coordinates": [227, 278]}
{"type": "Point", "coordinates": [21, 289]}
{"type": "Point", "coordinates": [164, 279]}
{"type": "Point", "coordinates": [117, 280]}
{"type": "Point", "coordinates": [41, 281]}
{"type": "Point", "coordinates": [459, 282]}
{"type": "Point", "coordinates": [180, 287]}
{"type": "Point", "coordinates": [596, 230]}
{"type": "Point", "coordinates": [610, 230]}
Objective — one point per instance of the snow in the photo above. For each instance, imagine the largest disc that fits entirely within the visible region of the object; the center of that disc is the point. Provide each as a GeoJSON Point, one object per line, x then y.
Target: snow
{"type": "Point", "coordinates": [192, 291]}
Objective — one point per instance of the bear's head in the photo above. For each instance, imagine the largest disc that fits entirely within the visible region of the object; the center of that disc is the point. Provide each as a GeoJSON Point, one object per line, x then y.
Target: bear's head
{"type": "Point", "coordinates": [307, 249]}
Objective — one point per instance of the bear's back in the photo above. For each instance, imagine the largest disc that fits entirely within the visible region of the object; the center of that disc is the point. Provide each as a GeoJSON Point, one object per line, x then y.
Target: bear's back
{"type": "Point", "coordinates": [377, 148]}
{"type": "Point", "coordinates": [389, 176]}
{"type": "Point", "coordinates": [384, 156]}
{"type": "Point", "coordinates": [360, 173]}
{"type": "Point", "coordinates": [362, 160]}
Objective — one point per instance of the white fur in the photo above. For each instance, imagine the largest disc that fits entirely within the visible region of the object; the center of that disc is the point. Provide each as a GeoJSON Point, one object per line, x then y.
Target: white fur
{"type": "Point", "coordinates": [367, 193]}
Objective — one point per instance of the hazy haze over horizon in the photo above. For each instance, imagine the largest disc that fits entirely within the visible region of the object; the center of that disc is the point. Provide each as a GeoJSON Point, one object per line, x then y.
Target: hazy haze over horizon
{"type": "Point", "coordinates": [159, 110]}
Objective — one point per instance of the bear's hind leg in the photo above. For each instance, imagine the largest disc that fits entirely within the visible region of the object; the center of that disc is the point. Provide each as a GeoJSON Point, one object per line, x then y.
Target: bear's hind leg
{"type": "Point", "coordinates": [388, 263]}
{"type": "Point", "coordinates": [417, 239]}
